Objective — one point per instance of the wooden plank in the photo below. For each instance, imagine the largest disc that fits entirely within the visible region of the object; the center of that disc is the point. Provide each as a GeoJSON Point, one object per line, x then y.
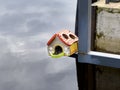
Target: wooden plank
{"type": "Point", "coordinates": [107, 78]}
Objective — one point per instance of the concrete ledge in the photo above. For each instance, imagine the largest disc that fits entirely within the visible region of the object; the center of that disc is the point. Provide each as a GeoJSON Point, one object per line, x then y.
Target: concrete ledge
{"type": "Point", "coordinates": [101, 3]}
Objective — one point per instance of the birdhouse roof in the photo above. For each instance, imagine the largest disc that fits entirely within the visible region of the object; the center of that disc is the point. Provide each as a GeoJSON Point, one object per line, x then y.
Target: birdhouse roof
{"type": "Point", "coordinates": [65, 36]}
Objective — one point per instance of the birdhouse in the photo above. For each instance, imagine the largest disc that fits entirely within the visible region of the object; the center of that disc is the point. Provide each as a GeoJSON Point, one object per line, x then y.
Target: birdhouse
{"type": "Point", "coordinates": [63, 43]}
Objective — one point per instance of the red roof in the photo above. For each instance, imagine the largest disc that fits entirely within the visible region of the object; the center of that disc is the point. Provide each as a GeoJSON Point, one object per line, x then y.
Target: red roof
{"type": "Point", "coordinates": [65, 36]}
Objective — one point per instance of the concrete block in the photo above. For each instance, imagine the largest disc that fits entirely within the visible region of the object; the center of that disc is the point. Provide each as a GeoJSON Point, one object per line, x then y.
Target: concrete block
{"type": "Point", "coordinates": [108, 30]}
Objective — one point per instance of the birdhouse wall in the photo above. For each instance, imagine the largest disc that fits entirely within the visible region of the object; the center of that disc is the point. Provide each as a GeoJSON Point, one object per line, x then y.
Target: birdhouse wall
{"type": "Point", "coordinates": [74, 48]}
{"type": "Point", "coordinates": [58, 42]}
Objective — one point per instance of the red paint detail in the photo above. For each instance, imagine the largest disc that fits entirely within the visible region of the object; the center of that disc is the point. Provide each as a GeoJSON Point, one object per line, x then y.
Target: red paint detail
{"type": "Point", "coordinates": [52, 38]}
{"type": "Point", "coordinates": [68, 41]}
{"type": "Point", "coordinates": [63, 40]}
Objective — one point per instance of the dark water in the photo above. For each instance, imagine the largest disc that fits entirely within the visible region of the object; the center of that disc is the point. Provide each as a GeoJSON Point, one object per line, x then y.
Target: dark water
{"type": "Point", "coordinates": [25, 28]}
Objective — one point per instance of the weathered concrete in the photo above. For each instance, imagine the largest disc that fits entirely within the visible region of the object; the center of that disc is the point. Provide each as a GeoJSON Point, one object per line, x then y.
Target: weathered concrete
{"type": "Point", "coordinates": [108, 30]}
{"type": "Point", "coordinates": [107, 40]}
{"type": "Point", "coordinates": [101, 3]}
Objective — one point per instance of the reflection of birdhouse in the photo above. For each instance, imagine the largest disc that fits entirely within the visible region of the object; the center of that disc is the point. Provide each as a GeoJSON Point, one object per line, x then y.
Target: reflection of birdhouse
{"type": "Point", "coordinates": [63, 43]}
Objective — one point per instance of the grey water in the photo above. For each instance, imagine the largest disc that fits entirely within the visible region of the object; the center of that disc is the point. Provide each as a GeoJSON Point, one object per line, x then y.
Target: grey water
{"type": "Point", "coordinates": [25, 28]}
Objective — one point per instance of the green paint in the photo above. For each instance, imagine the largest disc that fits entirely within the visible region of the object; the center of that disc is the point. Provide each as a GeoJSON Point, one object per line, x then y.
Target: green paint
{"type": "Point", "coordinates": [57, 55]}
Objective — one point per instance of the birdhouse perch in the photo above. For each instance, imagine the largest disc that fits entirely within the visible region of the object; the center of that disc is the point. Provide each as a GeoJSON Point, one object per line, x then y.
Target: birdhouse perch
{"type": "Point", "coordinates": [63, 43]}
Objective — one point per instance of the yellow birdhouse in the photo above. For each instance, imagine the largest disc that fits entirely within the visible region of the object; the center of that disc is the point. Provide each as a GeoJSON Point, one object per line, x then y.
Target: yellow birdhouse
{"type": "Point", "coordinates": [63, 43]}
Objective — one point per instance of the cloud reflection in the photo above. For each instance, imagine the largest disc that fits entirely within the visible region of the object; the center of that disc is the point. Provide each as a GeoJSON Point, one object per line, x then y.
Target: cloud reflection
{"type": "Point", "coordinates": [25, 27]}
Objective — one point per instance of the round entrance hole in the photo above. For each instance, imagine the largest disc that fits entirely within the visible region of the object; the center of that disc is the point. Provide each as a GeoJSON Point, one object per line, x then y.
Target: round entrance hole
{"type": "Point", "coordinates": [72, 36]}
{"type": "Point", "coordinates": [65, 36]}
{"type": "Point", "coordinates": [58, 50]}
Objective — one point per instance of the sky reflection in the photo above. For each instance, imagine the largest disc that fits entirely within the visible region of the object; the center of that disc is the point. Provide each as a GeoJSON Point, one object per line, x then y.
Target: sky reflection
{"type": "Point", "coordinates": [25, 27]}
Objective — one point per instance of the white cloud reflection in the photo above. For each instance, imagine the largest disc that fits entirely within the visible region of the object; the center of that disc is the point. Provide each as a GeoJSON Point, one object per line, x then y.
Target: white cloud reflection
{"type": "Point", "coordinates": [25, 28]}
